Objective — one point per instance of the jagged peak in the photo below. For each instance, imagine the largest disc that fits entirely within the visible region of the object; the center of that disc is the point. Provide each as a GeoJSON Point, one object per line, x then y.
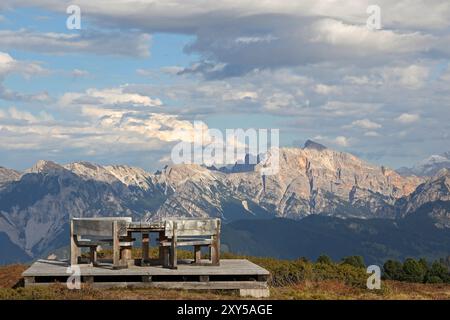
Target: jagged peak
{"type": "Point", "coordinates": [309, 144]}
{"type": "Point", "coordinates": [8, 174]}
{"type": "Point", "coordinates": [45, 166]}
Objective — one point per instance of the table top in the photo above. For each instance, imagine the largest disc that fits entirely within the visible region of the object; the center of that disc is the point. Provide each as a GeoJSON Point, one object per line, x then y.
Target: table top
{"type": "Point", "coordinates": [140, 226]}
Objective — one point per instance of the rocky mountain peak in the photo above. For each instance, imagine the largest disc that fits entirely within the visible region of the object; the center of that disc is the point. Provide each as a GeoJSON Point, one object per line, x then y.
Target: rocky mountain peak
{"type": "Point", "coordinates": [428, 167]}
{"type": "Point", "coordinates": [89, 170]}
{"type": "Point", "coordinates": [131, 175]}
{"type": "Point", "coordinates": [309, 144]}
{"type": "Point", "coordinates": [7, 175]}
{"type": "Point", "coordinates": [45, 166]}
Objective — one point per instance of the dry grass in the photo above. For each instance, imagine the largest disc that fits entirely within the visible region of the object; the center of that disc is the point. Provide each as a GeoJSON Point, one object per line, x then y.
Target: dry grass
{"type": "Point", "coordinates": [11, 275]}
{"type": "Point", "coordinates": [337, 290]}
{"type": "Point", "coordinates": [322, 290]}
{"type": "Point", "coordinates": [60, 292]}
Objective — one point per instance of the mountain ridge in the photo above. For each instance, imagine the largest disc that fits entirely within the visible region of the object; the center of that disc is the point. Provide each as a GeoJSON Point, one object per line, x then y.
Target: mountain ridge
{"type": "Point", "coordinates": [428, 167]}
{"type": "Point", "coordinates": [35, 208]}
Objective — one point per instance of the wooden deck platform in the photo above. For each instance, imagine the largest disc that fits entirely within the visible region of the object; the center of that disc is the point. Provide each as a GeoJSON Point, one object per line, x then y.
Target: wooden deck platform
{"type": "Point", "coordinates": [232, 274]}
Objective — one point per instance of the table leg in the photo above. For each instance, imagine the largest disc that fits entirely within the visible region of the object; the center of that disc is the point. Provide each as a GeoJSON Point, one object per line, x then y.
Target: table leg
{"type": "Point", "coordinates": [125, 254]}
{"type": "Point", "coordinates": [145, 247]}
{"type": "Point", "coordinates": [162, 251]}
{"type": "Point", "coordinates": [116, 246]}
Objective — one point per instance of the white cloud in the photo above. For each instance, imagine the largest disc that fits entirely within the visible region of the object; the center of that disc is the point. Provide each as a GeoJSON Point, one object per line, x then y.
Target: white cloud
{"type": "Point", "coordinates": [407, 118]}
{"type": "Point", "coordinates": [371, 134]}
{"type": "Point", "coordinates": [345, 109]}
{"type": "Point", "coordinates": [279, 101]}
{"type": "Point", "coordinates": [9, 65]}
{"type": "Point", "coordinates": [342, 141]}
{"type": "Point", "coordinates": [366, 124]}
{"type": "Point", "coordinates": [240, 95]}
{"type": "Point", "coordinates": [15, 114]}
{"type": "Point", "coordinates": [364, 40]}
{"type": "Point", "coordinates": [413, 76]}
{"type": "Point", "coordinates": [109, 97]}
{"type": "Point", "coordinates": [326, 89]}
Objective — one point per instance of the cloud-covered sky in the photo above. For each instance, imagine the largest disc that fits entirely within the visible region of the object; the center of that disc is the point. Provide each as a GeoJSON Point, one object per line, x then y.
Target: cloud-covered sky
{"type": "Point", "coordinates": [128, 85]}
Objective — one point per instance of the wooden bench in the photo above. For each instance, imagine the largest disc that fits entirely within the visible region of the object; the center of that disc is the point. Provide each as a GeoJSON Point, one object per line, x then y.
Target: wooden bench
{"type": "Point", "coordinates": [110, 231]}
{"type": "Point", "coordinates": [190, 232]}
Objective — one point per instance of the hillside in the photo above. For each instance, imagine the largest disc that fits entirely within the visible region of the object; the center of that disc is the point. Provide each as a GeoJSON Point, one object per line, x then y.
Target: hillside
{"type": "Point", "coordinates": [417, 235]}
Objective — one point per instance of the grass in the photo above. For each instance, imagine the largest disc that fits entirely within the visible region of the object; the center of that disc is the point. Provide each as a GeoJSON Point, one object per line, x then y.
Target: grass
{"type": "Point", "coordinates": [297, 279]}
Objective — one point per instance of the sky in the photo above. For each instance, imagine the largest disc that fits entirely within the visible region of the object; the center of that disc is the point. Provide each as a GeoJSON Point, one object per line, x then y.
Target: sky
{"type": "Point", "coordinates": [128, 85]}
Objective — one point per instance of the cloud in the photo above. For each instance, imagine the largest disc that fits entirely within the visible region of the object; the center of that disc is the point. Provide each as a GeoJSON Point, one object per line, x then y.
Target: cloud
{"type": "Point", "coordinates": [94, 42]}
{"type": "Point", "coordinates": [413, 76]}
{"type": "Point", "coordinates": [310, 67]}
{"type": "Point", "coordinates": [113, 97]}
{"type": "Point", "coordinates": [371, 134]}
{"type": "Point", "coordinates": [18, 115]}
{"type": "Point", "coordinates": [342, 141]}
{"type": "Point", "coordinates": [94, 128]}
{"type": "Point", "coordinates": [326, 89]}
{"type": "Point", "coordinates": [407, 118]}
{"type": "Point", "coordinates": [233, 38]}
{"type": "Point", "coordinates": [366, 124]}
{"type": "Point", "coordinates": [364, 40]}
{"type": "Point", "coordinates": [9, 66]}
{"type": "Point", "coordinates": [78, 73]}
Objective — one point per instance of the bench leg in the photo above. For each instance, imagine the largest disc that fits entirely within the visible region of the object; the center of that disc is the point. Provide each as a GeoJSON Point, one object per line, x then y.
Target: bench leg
{"type": "Point", "coordinates": [74, 250]}
{"type": "Point", "coordinates": [164, 252]}
{"type": "Point", "coordinates": [173, 248]}
{"type": "Point", "coordinates": [197, 254]}
{"type": "Point", "coordinates": [116, 246]}
{"type": "Point", "coordinates": [93, 255]}
{"type": "Point", "coordinates": [173, 258]}
{"type": "Point", "coordinates": [215, 251]}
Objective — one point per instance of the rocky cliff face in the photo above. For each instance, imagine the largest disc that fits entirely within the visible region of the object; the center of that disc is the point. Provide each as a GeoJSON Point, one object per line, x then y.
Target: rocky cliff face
{"type": "Point", "coordinates": [435, 189]}
{"type": "Point", "coordinates": [322, 181]}
{"type": "Point", "coordinates": [35, 206]}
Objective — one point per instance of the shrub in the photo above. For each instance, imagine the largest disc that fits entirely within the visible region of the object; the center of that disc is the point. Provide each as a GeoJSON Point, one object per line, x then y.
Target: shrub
{"type": "Point", "coordinates": [356, 261]}
{"type": "Point", "coordinates": [438, 273]}
{"type": "Point", "coordinates": [393, 270]}
{"type": "Point", "coordinates": [324, 259]}
{"type": "Point", "coordinates": [413, 271]}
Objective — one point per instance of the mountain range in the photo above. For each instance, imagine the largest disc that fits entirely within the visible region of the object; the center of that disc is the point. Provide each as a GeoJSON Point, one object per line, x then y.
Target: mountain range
{"type": "Point", "coordinates": [313, 182]}
{"type": "Point", "coordinates": [428, 167]}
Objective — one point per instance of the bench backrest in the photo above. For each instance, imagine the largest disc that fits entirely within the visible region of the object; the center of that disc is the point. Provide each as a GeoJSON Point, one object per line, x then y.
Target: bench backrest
{"type": "Point", "coordinates": [101, 227]}
{"type": "Point", "coordinates": [192, 227]}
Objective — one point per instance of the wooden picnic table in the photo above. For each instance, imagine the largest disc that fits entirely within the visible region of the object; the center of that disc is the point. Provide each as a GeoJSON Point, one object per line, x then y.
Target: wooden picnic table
{"type": "Point", "coordinates": [118, 231]}
{"type": "Point", "coordinates": [145, 228]}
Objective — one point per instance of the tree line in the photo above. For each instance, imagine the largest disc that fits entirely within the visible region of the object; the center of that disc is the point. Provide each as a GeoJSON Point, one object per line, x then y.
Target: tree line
{"type": "Point", "coordinates": [410, 270]}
